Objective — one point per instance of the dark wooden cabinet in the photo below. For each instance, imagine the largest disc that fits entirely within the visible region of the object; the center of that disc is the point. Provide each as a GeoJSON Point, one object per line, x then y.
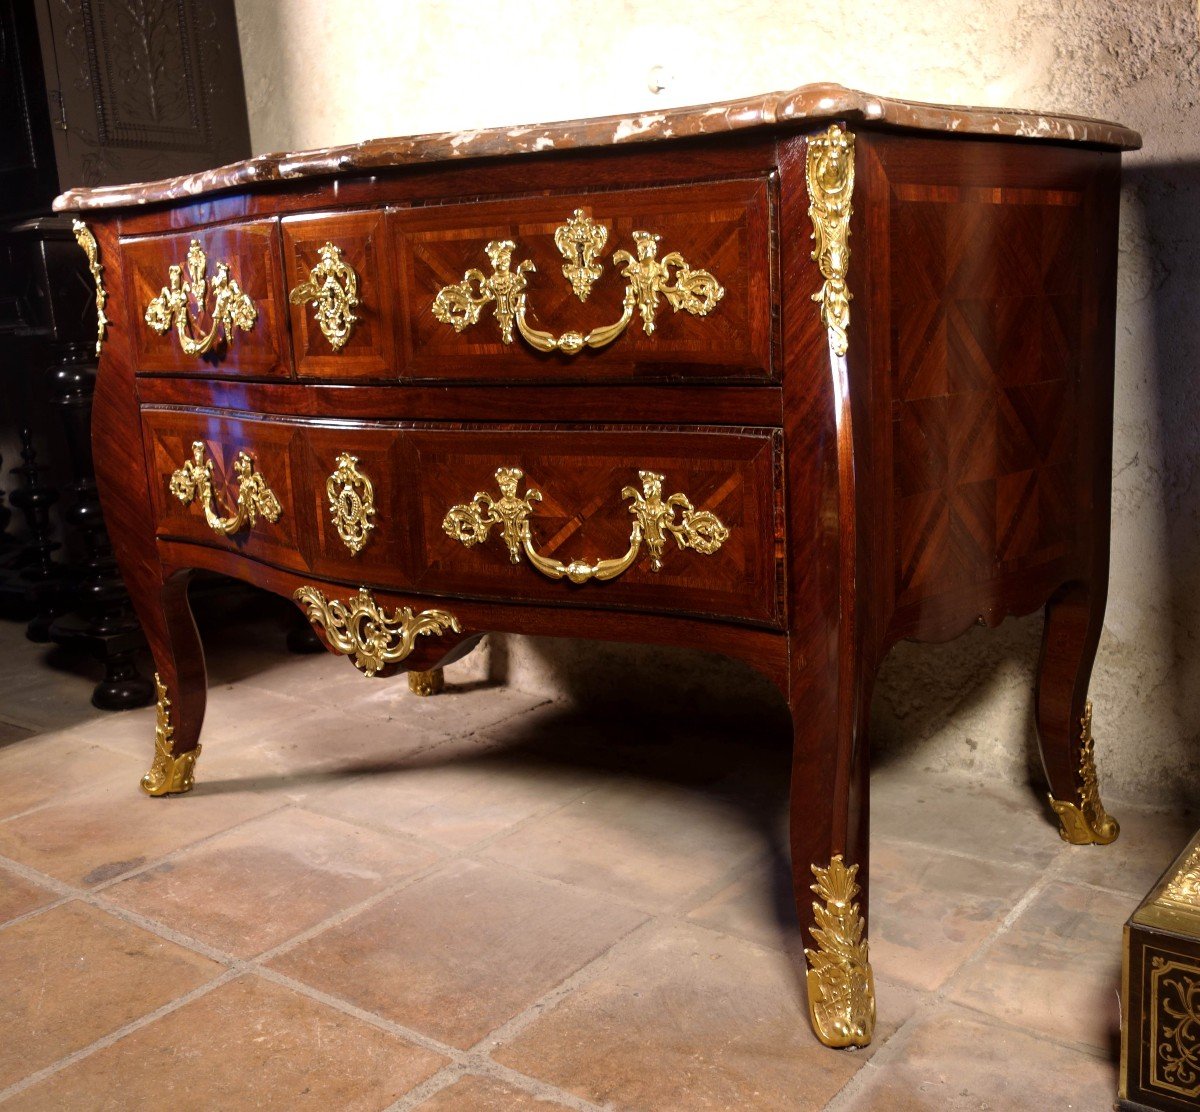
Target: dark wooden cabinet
{"type": "Point", "coordinates": [101, 92]}
{"type": "Point", "coordinates": [794, 378]}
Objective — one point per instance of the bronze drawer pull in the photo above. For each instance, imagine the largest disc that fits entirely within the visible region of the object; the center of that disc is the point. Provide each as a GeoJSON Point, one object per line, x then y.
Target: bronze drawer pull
{"type": "Point", "coordinates": [194, 480]}
{"type": "Point", "coordinates": [654, 518]}
{"type": "Point", "coordinates": [647, 277]}
{"type": "Point", "coordinates": [231, 309]}
{"type": "Point", "coordinates": [332, 287]}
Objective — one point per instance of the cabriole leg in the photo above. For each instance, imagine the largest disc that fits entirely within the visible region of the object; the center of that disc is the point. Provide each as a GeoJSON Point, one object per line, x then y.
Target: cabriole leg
{"type": "Point", "coordinates": [1074, 617]}
{"type": "Point", "coordinates": [181, 684]}
{"type": "Point", "coordinates": [829, 829]}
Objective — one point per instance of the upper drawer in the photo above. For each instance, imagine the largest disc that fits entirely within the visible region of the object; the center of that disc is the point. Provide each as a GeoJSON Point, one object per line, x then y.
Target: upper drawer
{"type": "Point", "coordinates": [208, 302]}
{"type": "Point", "coordinates": [645, 285]}
{"type": "Point", "coordinates": [341, 295]}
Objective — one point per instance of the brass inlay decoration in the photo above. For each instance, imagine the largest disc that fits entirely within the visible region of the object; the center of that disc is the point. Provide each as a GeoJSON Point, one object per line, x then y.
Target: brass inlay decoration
{"type": "Point", "coordinates": [362, 628]}
{"type": "Point", "coordinates": [841, 985]}
{"type": "Point", "coordinates": [830, 176]}
{"type": "Point", "coordinates": [169, 774]}
{"type": "Point", "coordinates": [580, 240]}
{"type": "Point", "coordinates": [654, 519]}
{"type": "Point", "coordinates": [647, 278]}
{"type": "Point", "coordinates": [351, 502]}
{"type": "Point", "coordinates": [85, 239]}
{"type": "Point", "coordinates": [426, 683]}
{"type": "Point", "coordinates": [231, 309]}
{"type": "Point", "coordinates": [1175, 1027]}
{"type": "Point", "coordinates": [1087, 822]}
{"type": "Point", "coordinates": [194, 480]}
{"type": "Point", "coordinates": [1184, 886]}
{"type": "Point", "coordinates": [332, 287]}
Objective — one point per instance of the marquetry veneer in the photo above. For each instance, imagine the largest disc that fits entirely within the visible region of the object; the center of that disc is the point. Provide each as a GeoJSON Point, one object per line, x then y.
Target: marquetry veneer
{"type": "Point", "coordinates": [794, 377]}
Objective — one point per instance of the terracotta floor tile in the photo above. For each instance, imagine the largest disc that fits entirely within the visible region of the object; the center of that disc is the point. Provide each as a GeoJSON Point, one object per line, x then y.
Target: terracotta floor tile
{"type": "Point", "coordinates": [457, 793]}
{"type": "Point", "coordinates": [96, 834]}
{"type": "Point", "coordinates": [931, 911]}
{"type": "Point", "coordinates": [759, 905]}
{"type": "Point", "coordinates": [646, 842]}
{"type": "Point", "coordinates": [299, 866]}
{"type": "Point", "coordinates": [455, 713]}
{"type": "Point", "coordinates": [649, 746]}
{"type": "Point", "coordinates": [46, 767]}
{"type": "Point", "coordinates": [234, 716]}
{"type": "Point", "coordinates": [1057, 969]}
{"type": "Point", "coordinates": [998, 822]}
{"type": "Point", "coordinates": [683, 1018]}
{"type": "Point", "coordinates": [1149, 841]}
{"type": "Point", "coordinates": [954, 1062]}
{"type": "Point", "coordinates": [73, 974]}
{"type": "Point", "coordinates": [19, 896]}
{"type": "Point", "coordinates": [246, 1044]}
{"type": "Point", "coordinates": [484, 1094]}
{"type": "Point", "coordinates": [45, 693]}
{"type": "Point", "coordinates": [11, 733]}
{"type": "Point", "coordinates": [462, 951]}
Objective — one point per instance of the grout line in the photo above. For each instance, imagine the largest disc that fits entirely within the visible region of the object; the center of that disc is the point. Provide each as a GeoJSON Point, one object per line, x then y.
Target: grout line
{"type": "Point", "coordinates": [115, 1036]}
{"type": "Point", "coordinates": [476, 1059]}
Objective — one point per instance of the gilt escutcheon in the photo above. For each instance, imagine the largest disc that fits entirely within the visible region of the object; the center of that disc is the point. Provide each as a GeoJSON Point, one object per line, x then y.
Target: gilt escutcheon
{"type": "Point", "coordinates": [332, 287]}
{"type": "Point", "coordinates": [351, 502]}
{"type": "Point", "coordinates": [580, 241]}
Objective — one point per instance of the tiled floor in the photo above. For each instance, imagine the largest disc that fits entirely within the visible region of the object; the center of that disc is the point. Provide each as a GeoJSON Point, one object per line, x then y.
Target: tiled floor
{"type": "Point", "coordinates": [486, 902]}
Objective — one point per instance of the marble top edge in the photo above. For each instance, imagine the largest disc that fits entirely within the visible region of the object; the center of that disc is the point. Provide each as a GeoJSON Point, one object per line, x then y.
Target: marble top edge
{"type": "Point", "coordinates": [809, 103]}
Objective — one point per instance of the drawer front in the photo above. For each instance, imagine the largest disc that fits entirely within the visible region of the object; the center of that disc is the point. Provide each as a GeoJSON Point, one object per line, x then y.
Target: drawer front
{"type": "Point", "coordinates": [215, 299]}
{"type": "Point", "coordinates": [575, 496]}
{"type": "Point", "coordinates": [358, 502]}
{"type": "Point", "coordinates": [341, 295]}
{"type": "Point", "coordinates": [695, 302]}
{"type": "Point", "coordinates": [252, 502]}
{"type": "Point", "coordinates": [655, 519]}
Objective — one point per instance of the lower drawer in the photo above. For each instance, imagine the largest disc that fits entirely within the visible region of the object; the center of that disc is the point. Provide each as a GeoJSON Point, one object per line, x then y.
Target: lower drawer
{"type": "Point", "coordinates": [653, 519]}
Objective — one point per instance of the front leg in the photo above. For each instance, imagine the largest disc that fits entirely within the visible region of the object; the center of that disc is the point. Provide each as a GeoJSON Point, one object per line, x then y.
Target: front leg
{"type": "Point", "coordinates": [829, 843]}
{"type": "Point", "coordinates": [181, 685]}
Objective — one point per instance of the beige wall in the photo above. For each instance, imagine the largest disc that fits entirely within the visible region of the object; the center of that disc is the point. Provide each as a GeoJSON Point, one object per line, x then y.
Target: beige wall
{"type": "Point", "coordinates": [320, 73]}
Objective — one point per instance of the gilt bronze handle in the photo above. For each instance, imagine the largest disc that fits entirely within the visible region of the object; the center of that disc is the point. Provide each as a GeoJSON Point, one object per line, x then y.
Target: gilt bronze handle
{"type": "Point", "coordinates": [231, 308]}
{"type": "Point", "coordinates": [194, 481]}
{"type": "Point", "coordinates": [647, 277]}
{"type": "Point", "coordinates": [654, 520]}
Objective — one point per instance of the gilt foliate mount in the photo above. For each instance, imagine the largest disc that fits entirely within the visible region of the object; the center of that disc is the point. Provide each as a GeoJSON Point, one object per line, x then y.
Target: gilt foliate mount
{"type": "Point", "coordinates": [580, 242]}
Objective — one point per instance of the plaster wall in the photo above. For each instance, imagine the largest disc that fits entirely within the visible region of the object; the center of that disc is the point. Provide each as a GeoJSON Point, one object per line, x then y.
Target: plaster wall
{"type": "Point", "coordinates": [320, 73]}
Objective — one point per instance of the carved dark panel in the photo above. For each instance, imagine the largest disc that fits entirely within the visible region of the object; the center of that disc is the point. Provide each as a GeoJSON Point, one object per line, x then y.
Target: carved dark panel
{"type": "Point", "coordinates": [148, 87]}
{"type": "Point", "coordinates": [27, 181]}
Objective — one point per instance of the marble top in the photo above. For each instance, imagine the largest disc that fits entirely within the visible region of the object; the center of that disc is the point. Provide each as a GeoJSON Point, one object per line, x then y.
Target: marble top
{"type": "Point", "coordinates": [807, 104]}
